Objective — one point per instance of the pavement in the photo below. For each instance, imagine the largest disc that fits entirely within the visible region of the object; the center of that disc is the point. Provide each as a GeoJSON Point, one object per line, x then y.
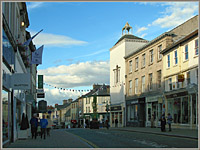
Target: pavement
{"type": "Point", "coordinates": [60, 140]}
{"type": "Point", "coordinates": [184, 133]}
{"type": "Point", "coordinates": [56, 140]}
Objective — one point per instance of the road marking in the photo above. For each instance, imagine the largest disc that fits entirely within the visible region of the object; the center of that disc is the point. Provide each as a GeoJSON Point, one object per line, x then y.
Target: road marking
{"type": "Point", "coordinates": [88, 142]}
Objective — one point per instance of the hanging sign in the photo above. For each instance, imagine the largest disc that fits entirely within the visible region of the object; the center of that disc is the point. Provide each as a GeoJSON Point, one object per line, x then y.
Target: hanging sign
{"type": "Point", "coordinates": [40, 81]}
{"type": "Point", "coordinates": [21, 81]}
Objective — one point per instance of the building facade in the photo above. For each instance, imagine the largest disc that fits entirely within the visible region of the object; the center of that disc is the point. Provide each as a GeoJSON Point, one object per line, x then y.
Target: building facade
{"type": "Point", "coordinates": [125, 45]}
{"type": "Point", "coordinates": [16, 101]}
{"type": "Point", "coordinates": [180, 69]}
{"type": "Point", "coordinates": [144, 83]}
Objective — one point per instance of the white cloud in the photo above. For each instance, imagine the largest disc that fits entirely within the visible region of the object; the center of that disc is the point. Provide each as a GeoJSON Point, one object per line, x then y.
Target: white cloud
{"type": "Point", "coordinates": [76, 75]}
{"type": "Point", "coordinates": [176, 13]}
{"type": "Point", "coordinates": [32, 5]}
{"type": "Point", "coordinates": [56, 96]}
{"type": "Point", "coordinates": [141, 29]}
{"type": "Point", "coordinates": [92, 54]}
{"type": "Point", "coordinates": [143, 35]}
{"type": "Point", "coordinates": [48, 39]}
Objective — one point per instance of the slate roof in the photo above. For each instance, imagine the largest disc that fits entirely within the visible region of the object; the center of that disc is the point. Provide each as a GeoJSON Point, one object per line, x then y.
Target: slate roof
{"type": "Point", "coordinates": [129, 36]}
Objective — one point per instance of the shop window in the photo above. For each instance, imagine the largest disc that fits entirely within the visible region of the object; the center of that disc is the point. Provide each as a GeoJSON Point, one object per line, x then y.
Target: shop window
{"type": "Point", "coordinates": [120, 117]}
{"type": "Point", "coordinates": [113, 119]}
{"type": "Point", "coordinates": [5, 115]}
{"type": "Point", "coordinates": [185, 110]}
{"type": "Point", "coordinates": [133, 113]}
{"type": "Point", "coordinates": [177, 110]}
{"type": "Point", "coordinates": [194, 109]}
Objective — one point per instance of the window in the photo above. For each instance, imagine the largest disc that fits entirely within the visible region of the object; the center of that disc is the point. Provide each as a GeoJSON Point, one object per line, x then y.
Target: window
{"type": "Point", "coordinates": [150, 81]}
{"type": "Point", "coordinates": [188, 77]}
{"type": "Point", "coordinates": [170, 84]}
{"type": "Point", "coordinates": [159, 54]}
{"type": "Point", "coordinates": [143, 83]}
{"type": "Point", "coordinates": [177, 83]}
{"type": "Point", "coordinates": [186, 52]}
{"type": "Point", "coordinates": [168, 61]}
{"type": "Point", "coordinates": [130, 66]}
{"type": "Point", "coordinates": [159, 78]}
{"type": "Point", "coordinates": [175, 57]}
{"type": "Point", "coordinates": [151, 56]}
{"type": "Point", "coordinates": [143, 60]}
{"type": "Point", "coordinates": [136, 86]}
{"type": "Point", "coordinates": [116, 74]}
{"type": "Point", "coordinates": [196, 47]}
{"type": "Point", "coordinates": [136, 63]}
{"type": "Point", "coordinates": [130, 87]}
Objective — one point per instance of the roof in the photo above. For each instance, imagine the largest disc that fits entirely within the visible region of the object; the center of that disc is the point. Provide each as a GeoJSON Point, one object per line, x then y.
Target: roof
{"type": "Point", "coordinates": [62, 106]}
{"type": "Point", "coordinates": [101, 90]}
{"type": "Point", "coordinates": [150, 43]}
{"type": "Point", "coordinates": [184, 38]}
{"type": "Point", "coordinates": [68, 113]}
{"type": "Point", "coordinates": [129, 36]}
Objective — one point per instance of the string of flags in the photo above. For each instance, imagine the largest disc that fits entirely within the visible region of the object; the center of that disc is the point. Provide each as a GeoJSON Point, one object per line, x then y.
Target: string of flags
{"type": "Point", "coordinates": [65, 89]}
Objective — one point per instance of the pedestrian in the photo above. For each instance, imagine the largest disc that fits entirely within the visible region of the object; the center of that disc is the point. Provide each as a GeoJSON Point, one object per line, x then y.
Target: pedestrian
{"type": "Point", "coordinates": [49, 126]}
{"type": "Point", "coordinates": [152, 121]}
{"type": "Point", "coordinates": [107, 124]}
{"type": "Point", "coordinates": [163, 123]}
{"type": "Point", "coordinates": [169, 121]}
{"type": "Point", "coordinates": [34, 125]}
{"type": "Point", "coordinates": [43, 125]}
{"type": "Point", "coordinates": [116, 122]}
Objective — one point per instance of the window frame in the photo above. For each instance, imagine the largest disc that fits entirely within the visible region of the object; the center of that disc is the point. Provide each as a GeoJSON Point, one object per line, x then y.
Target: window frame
{"type": "Point", "coordinates": [175, 57]}
{"type": "Point", "coordinates": [136, 63]}
{"type": "Point", "coordinates": [151, 56]}
{"type": "Point", "coordinates": [159, 50]}
{"type": "Point", "coordinates": [186, 54]}
{"type": "Point", "coordinates": [136, 86]}
{"type": "Point", "coordinates": [168, 61]}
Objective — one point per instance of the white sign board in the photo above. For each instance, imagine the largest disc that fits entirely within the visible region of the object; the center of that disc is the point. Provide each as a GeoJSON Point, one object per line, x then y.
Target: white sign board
{"type": "Point", "coordinates": [21, 81]}
{"type": "Point", "coordinates": [40, 90]}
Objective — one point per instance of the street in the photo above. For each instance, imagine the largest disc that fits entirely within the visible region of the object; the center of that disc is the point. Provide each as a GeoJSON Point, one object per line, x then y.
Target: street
{"type": "Point", "coordinates": [124, 139]}
{"type": "Point", "coordinates": [103, 138]}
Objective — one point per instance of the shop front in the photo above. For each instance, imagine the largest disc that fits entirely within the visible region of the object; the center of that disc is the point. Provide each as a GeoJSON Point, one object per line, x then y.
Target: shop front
{"type": "Point", "coordinates": [116, 116]}
{"type": "Point", "coordinates": [154, 110]}
{"type": "Point", "coordinates": [135, 112]}
{"type": "Point", "coordinates": [183, 108]}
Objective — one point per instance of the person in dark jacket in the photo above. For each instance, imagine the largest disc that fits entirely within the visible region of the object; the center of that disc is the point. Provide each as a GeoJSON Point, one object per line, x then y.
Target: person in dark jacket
{"type": "Point", "coordinates": [163, 123]}
{"type": "Point", "coordinates": [43, 125]}
{"type": "Point", "coordinates": [34, 125]}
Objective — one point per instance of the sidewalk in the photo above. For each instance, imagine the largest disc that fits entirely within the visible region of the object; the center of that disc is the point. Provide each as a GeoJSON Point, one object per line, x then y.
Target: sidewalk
{"type": "Point", "coordinates": [185, 133]}
{"type": "Point", "coordinates": [56, 140]}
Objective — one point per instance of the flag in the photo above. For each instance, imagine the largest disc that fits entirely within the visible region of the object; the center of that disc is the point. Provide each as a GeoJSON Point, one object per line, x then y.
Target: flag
{"type": "Point", "coordinates": [29, 40]}
{"type": "Point", "coordinates": [37, 56]}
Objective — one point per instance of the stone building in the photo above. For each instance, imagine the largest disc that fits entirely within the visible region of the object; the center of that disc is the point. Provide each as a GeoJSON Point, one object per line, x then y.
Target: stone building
{"type": "Point", "coordinates": [125, 45]}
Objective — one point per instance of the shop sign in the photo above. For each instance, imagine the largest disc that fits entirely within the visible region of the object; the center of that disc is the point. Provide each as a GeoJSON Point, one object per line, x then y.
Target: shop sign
{"type": "Point", "coordinates": [180, 77]}
{"type": "Point", "coordinates": [116, 108]}
{"type": "Point", "coordinates": [40, 95]}
{"type": "Point", "coordinates": [20, 81]}
{"type": "Point", "coordinates": [177, 95]}
{"type": "Point", "coordinates": [160, 100]}
{"type": "Point", "coordinates": [134, 102]}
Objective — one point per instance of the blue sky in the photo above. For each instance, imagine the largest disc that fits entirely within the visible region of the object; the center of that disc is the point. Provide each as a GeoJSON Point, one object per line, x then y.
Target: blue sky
{"type": "Point", "coordinates": [77, 37]}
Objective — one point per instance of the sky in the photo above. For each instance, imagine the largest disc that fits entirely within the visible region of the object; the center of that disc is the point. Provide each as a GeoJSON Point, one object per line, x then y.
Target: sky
{"type": "Point", "coordinates": [77, 37]}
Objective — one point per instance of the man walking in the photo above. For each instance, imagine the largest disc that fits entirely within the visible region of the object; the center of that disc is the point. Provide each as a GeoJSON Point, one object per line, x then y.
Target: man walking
{"type": "Point", "coordinates": [49, 126]}
{"type": "Point", "coordinates": [34, 125]}
{"type": "Point", "coordinates": [43, 124]}
{"type": "Point", "coordinates": [169, 121]}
